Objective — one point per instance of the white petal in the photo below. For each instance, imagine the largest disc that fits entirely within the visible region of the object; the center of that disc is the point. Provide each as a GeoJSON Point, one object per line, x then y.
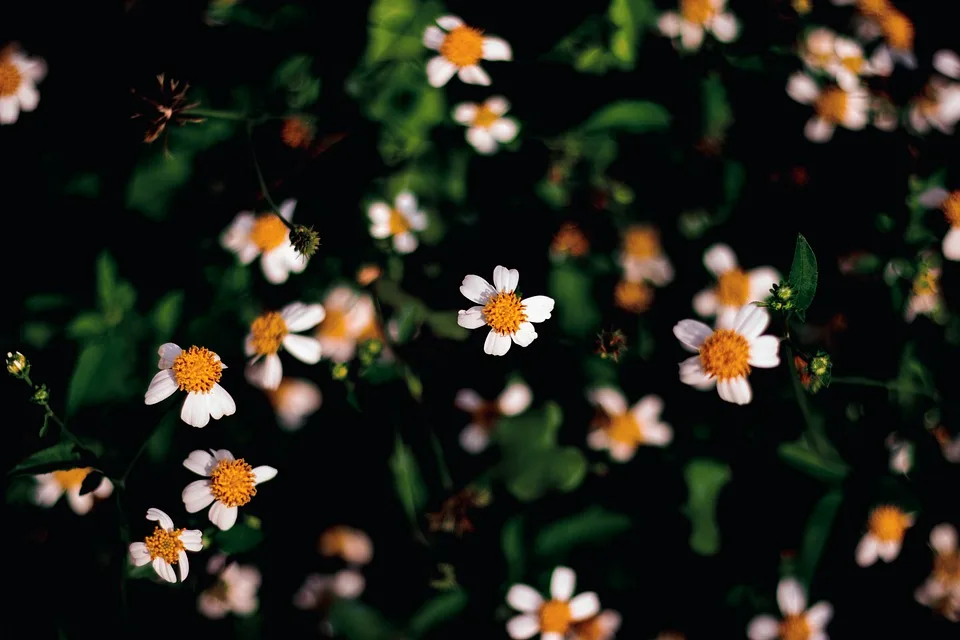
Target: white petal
{"type": "Point", "coordinates": [192, 539]}
{"type": "Point", "coordinates": [163, 385]}
{"type": "Point", "coordinates": [472, 318]}
{"type": "Point", "coordinates": [818, 130]}
{"type": "Point", "coordinates": [719, 258]}
{"type": "Point", "coordinates": [523, 627]}
{"type": "Point", "coordinates": [658, 434]}
{"type": "Point", "coordinates": [286, 209]}
{"type": "Point", "coordinates": [265, 372]}
{"type": "Point", "coordinates": [196, 410]}
{"type": "Point", "coordinates": [168, 352]}
{"type": "Point", "coordinates": [524, 598]}
{"type": "Point", "coordinates": [139, 555]}
{"type": "Point", "coordinates": [947, 63]}
{"type": "Point", "coordinates": [211, 606]}
{"type": "Point", "coordinates": [220, 402]}
{"type": "Point", "coordinates": [405, 202]}
{"type": "Point", "coordinates": [763, 628]}
{"type": "Point", "coordinates": [196, 496]}
{"type": "Point", "coordinates": [184, 563]}
{"type": "Point", "coordinates": [33, 68]}
{"type": "Point", "coordinates": [498, 105]}
{"type": "Point", "coordinates": [552, 635]}
{"type": "Point", "coordinates": [538, 308]}
{"type": "Point", "coordinates": [9, 110]}
{"type": "Point", "coordinates": [761, 281]}
{"type": "Point", "coordinates": [609, 399]}
{"type": "Point", "coordinates": [379, 213]}
{"type": "Point", "coordinates": [439, 71]}
{"type": "Point", "coordinates": [263, 473]}
{"type": "Point", "coordinates": [669, 24]}
{"type": "Point", "coordinates": [504, 129]}
{"type": "Point", "coordinates": [465, 112]}
{"type": "Point", "coordinates": [933, 197]}
{"type": "Point", "coordinates": [751, 321]}
{"type": "Point", "coordinates": [515, 399]}
{"type": "Point", "coordinates": [505, 280]}
{"type": "Point", "coordinates": [725, 27]}
{"type": "Point", "coordinates": [943, 538]}
{"type": "Point", "coordinates": [467, 400]}
{"type": "Point", "coordinates": [474, 438]}
{"type": "Point", "coordinates": [105, 489]}
{"type": "Point", "coordinates": [868, 550]}
{"type": "Point", "coordinates": [819, 615]}
{"type": "Point", "coordinates": [405, 243]}
{"type": "Point", "coordinates": [161, 518]}
{"type": "Point", "coordinates": [81, 504]}
{"type": "Point", "coordinates": [791, 597]}
{"type": "Point", "coordinates": [433, 37]}
{"type": "Point", "coordinates": [274, 266]}
{"type": "Point", "coordinates": [476, 289]}
{"type": "Point", "coordinates": [28, 96]}
{"type": "Point", "coordinates": [496, 345]}
{"type": "Point", "coordinates": [496, 49]}
{"type": "Point", "coordinates": [348, 583]}
{"type": "Point", "coordinates": [304, 348]}
{"type": "Point", "coordinates": [648, 409]}
{"type": "Point", "coordinates": [691, 334]}
{"type": "Point", "coordinates": [705, 303]}
{"type": "Point", "coordinates": [301, 317]}
{"type": "Point", "coordinates": [598, 439]}
{"type": "Point", "coordinates": [586, 605]}
{"type": "Point", "coordinates": [691, 372]}
{"type": "Point", "coordinates": [474, 75]}
{"type": "Point", "coordinates": [449, 22]}
{"type": "Point", "coordinates": [951, 244]}
{"type": "Point", "coordinates": [888, 551]}
{"type": "Point", "coordinates": [48, 490]}
{"type": "Point", "coordinates": [735, 390]}
{"type": "Point", "coordinates": [482, 140]}
{"type": "Point", "coordinates": [562, 583]}
{"type": "Point", "coordinates": [691, 35]}
{"type": "Point", "coordinates": [525, 334]}
{"type": "Point", "coordinates": [380, 230]}
{"type": "Point", "coordinates": [164, 570]}
{"type": "Point", "coordinates": [764, 352]}
{"type": "Point", "coordinates": [802, 88]}
{"type": "Point", "coordinates": [222, 516]}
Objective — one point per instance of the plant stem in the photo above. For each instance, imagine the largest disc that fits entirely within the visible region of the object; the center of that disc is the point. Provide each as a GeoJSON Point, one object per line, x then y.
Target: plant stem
{"type": "Point", "coordinates": [441, 463]}
{"type": "Point", "coordinates": [233, 115]}
{"type": "Point", "coordinates": [889, 386]}
{"type": "Point", "coordinates": [263, 183]}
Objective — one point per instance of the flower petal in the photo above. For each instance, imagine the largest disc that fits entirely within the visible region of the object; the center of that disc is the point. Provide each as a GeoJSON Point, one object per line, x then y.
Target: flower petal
{"type": "Point", "coordinates": [184, 563]}
{"type": "Point", "coordinates": [586, 605]}
{"type": "Point", "coordinates": [474, 75]}
{"type": "Point", "coordinates": [168, 352]}
{"type": "Point", "coordinates": [705, 303]}
{"type": "Point", "coordinates": [537, 308]}
{"type": "Point", "coordinates": [265, 372]}
{"type": "Point", "coordinates": [496, 49]}
{"type": "Point", "coordinates": [691, 35]}
{"type": "Point", "coordinates": [164, 570]}
{"type": "Point", "coordinates": [433, 37]}
{"type": "Point", "coordinates": [81, 504]}
{"type": "Point", "coordinates": [819, 615]}
{"type": "Point", "coordinates": [657, 434]}
{"type": "Point", "coordinates": [263, 473]}
{"type": "Point", "coordinates": [951, 244]}
{"type": "Point", "coordinates": [609, 399]}
{"type": "Point", "coordinates": [725, 27]}
{"type": "Point", "coordinates": [274, 266]}
{"type": "Point", "coordinates": [562, 583]}
{"type": "Point", "coordinates": [496, 344]}
{"type": "Point", "coordinates": [498, 105]}
{"type": "Point", "coordinates": [471, 318]}
{"type": "Point", "coordinates": [196, 410]}
{"type": "Point", "coordinates": [449, 22]}
{"type": "Point", "coordinates": [465, 112]}
{"type": "Point", "coordinates": [192, 539]}
{"type": "Point", "coordinates": [762, 280]}
{"type": "Point", "coordinates": [139, 555]}
{"type": "Point", "coordinates": [439, 71]}
{"type": "Point", "coordinates": [48, 490]}
{"type": "Point", "coordinates": [735, 390]}
{"type": "Point", "coordinates": [763, 352]}
{"type": "Point", "coordinates": [163, 385]}
{"type": "Point", "coordinates": [505, 280]}
{"type": "Point", "coordinates": [719, 258]}
{"type": "Point", "coordinates": [524, 598]}
{"type": "Point", "coordinates": [669, 24]}
{"type": "Point", "coordinates": [160, 517]}
{"type": "Point", "coordinates": [9, 110]}
{"type": "Point", "coordinates": [802, 88]}
{"type": "Point", "coordinates": [476, 289]}
{"type": "Point", "coordinates": [763, 627]}
{"type": "Point", "coordinates": [943, 538]}
{"type": "Point", "coordinates": [286, 209]}
{"type": "Point", "coordinates": [692, 334]}
{"type": "Point", "coordinates": [404, 243]}
{"type": "Point", "coordinates": [791, 597]}
{"type": "Point", "coordinates": [947, 63]}
{"type": "Point", "coordinates": [196, 496]}
{"type": "Point", "coordinates": [405, 202]}
{"type": "Point", "coordinates": [888, 551]}
{"type": "Point", "coordinates": [751, 321]}
{"type": "Point", "coordinates": [467, 400]}
{"type": "Point", "coordinates": [818, 130]}
{"type": "Point", "coordinates": [523, 627]}
{"type": "Point", "coordinates": [301, 317]}
{"type": "Point", "coordinates": [504, 130]}
{"type": "Point", "coordinates": [306, 349]}
{"type": "Point", "coordinates": [221, 403]}
{"type": "Point", "coordinates": [222, 516]}
{"type": "Point", "coordinates": [482, 140]}
{"type": "Point", "coordinates": [525, 334]}
{"type": "Point", "coordinates": [515, 399]}
{"type": "Point", "coordinates": [691, 373]}
{"type": "Point", "coordinates": [474, 438]}
{"type": "Point", "coordinates": [649, 408]}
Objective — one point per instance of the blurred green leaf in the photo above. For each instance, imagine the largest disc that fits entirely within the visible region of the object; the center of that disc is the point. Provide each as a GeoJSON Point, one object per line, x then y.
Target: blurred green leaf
{"type": "Point", "coordinates": [816, 534]}
{"type": "Point", "coordinates": [395, 33]}
{"type": "Point", "coordinates": [409, 318]}
{"type": "Point", "coordinates": [717, 112]}
{"type": "Point", "coordinates": [159, 443]}
{"type": "Point", "coordinates": [628, 116]}
{"type": "Point", "coordinates": [295, 75]}
{"type": "Point", "coordinates": [86, 325]}
{"type": "Point", "coordinates": [143, 572]}
{"type": "Point", "coordinates": [105, 371]}
{"type": "Point", "coordinates": [155, 182]}
{"type": "Point", "coordinates": [444, 325]}
{"type": "Point", "coordinates": [83, 184]}
{"type": "Point", "coordinates": [46, 302]}
{"type": "Point", "coordinates": [84, 378]}
{"type": "Point", "coordinates": [414, 384]}
{"type": "Point", "coordinates": [436, 611]}
{"type": "Point", "coordinates": [166, 315]}
{"type": "Point", "coordinates": [511, 543]}
{"type": "Point", "coordinates": [827, 466]}
{"type": "Point", "coordinates": [576, 311]}
{"type": "Point", "coordinates": [355, 620]}
{"type": "Point", "coordinates": [36, 334]}
{"type": "Point", "coordinates": [239, 538]}
{"type": "Point", "coordinates": [734, 177]}
{"type": "Point", "coordinates": [803, 276]}
{"type": "Point", "coordinates": [60, 456]}
{"type": "Point", "coordinates": [630, 17]}
{"type": "Point", "coordinates": [407, 480]}
{"type": "Point", "coordinates": [592, 525]}
{"type": "Point", "coordinates": [705, 478]}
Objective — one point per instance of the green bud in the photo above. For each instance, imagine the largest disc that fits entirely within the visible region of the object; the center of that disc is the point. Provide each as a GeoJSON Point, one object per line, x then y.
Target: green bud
{"type": "Point", "coordinates": [17, 364]}
{"type": "Point", "coordinates": [41, 395]}
{"type": "Point", "coordinates": [340, 371]}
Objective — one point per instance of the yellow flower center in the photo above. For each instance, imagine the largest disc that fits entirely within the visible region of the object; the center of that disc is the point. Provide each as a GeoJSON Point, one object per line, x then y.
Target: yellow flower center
{"type": "Point", "coordinates": [232, 482]}
{"type": "Point", "coordinates": [725, 354]}
{"type": "Point", "coordinates": [398, 223]}
{"type": "Point", "coordinates": [946, 568]}
{"type": "Point", "coordinates": [733, 288]}
{"type": "Point", "coordinates": [951, 208]}
{"type": "Point", "coordinates": [10, 78]}
{"type": "Point", "coordinates": [484, 117]}
{"type": "Point", "coordinates": [165, 544]}
{"type": "Point", "coordinates": [853, 64]}
{"type": "Point", "coordinates": [635, 297]}
{"type": "Point", "coordinates": [874, 8]}
{"type": "Point", "coordinates": [697, 11]}
{"type": "Point", "coordinates": [334, 325]}
{"type": "Point", "coordinates": [268, 232]}
{"type": "Point", "coordinates": [590, 629]}
{"type": "Point", "coordinates": [642, 242]}
{"type": "Point", "coordinates": [570, 240]}
{"type": "Point", "coordinates": [802, 7]}
{"type": "Point", "coordinates": [504, 313]}
{"type": "Point", "coordinates": [897, 29]}
{"type": "Point", "coordinates": [268, 332]}
{"type": "Point", "coordinates": [463, 46]}
{"type": "Point", "coordinates": [71, 478]}
{"type": "Point", "coordinates": [926, 283]}
{"type": "Point", "coordinates": [831, 105]}
{"type": "Point", "coordinates": [197, 369]}
{"type": "Point", "coordinates": [555, 617]}
{"type": "Point", "coordinates": [625, 429]}
{"type": "Point", "coordinates": [888, 523]}
{"type": "Point", "coordinates": [794, 627]}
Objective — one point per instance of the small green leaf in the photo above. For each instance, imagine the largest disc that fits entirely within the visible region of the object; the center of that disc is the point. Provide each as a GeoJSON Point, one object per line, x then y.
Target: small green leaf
{"type": "Point", "coordinates": [46, 302]}
{"type": "Point", "coordinates": [590, 526]}
{"type": "Point", "coordinates": [84, 376]}
{"type": "Point", "coordinates": [86, 325]}
{"type": "Point", "coordinates": [59, 456]}
{"type": "Point", "coordinates": [355, 620]}
{"type": "Point", "coordinates": [407, 480]}
{"type": "Point", "coordinates": [240, 538]}
{"type": "Point", "coordinates": [816, 534]}
{"type": "Point", "coordinates": [705, 478]}
{"type": "Point", "coordinates": [576, 310]}
{"type": "Point", "coordinates": [436, 611]}
{"type": "Point", "coordinates": [414, 384]}
{"type": "Point", "coordinates": [511, 543]}
{"type": "Point", "coordinates": [803, 275]}
{"type": "Point", "coordinates": [628, 116]}
{"type": "Point", "coordinates": [106, 279]}
{"type": "Point", "coordinates": [828, 466]}
{"type": "Point", "coordinates": [444, 325]}
{"type": "Point", "coordinates": [166, 315]}
{"type": "Point", "coordinates": [718, 115]}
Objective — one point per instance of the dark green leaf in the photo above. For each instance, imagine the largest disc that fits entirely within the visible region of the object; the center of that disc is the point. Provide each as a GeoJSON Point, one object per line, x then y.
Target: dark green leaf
{"type": "Point", "coordinates": [590, 526]}
{"type": "Point", "coordinates": [355, 620]}
{"type": "Point", "coordinates": [829, 467]}
{"type": "Point", "coordinates": [46, 302]}
{"type": "Point", "coordinates": [86, 324]}
{"type": "Point", "coordinates": [240, 538]}
{"type": "Point", "coordinates": [816, 534]}
{"type": "Point", "coordinates": [436, 611]}
{"type": "Point", "coordinates": [84, 376]}
{"type": "Point", "coordinates": [718, 115]}
{"type": "Point", "coordinates": [444, 325]}
{"type": "Point", "coordinates": [91, 482]}
{"type": "Point", "coordinates": [107, 279]}
{"type": "Point", "coordinates": [407, 480]}
{"type": "Point", "coordinates": [60, 456]}
{"type": "Point", "coordinates": [514, 552]}
{"type": "Point", "coordinates": [166, 315]}
{"type": "Point", "coordinates": [705, 478]}
{"type": "Point", "coordinates": [628, 116]}
{"type": "Point", "coordinates": [803, 275]}
{"type": "Point", "coordinates": [576, 310]}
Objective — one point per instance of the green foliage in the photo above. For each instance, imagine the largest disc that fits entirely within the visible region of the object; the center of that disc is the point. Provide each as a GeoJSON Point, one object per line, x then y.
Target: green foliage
{"type": "Point", "coordinates": [816, 535]}
{"type": "Point", "coordinates": [295, 76]}
{"type": "Point", "coordinates": [803, 277]}
{"type": "Point", "coordinates": [407, 480]}
{"type": "Point", "coordinates": [717, 112]}
{"type": "Point", "coordinates": [575, 309]}
{"type": "Point", "coordinates": [705, 478]}
{"type": "Point", "coordinates": [355, 620]}
{"type": "Point", "coordinates": [627, 116]}
{"type": "Point", "coordinates": [436, 611]}
{"type": "Point", "coordinates": [513, 547]}
{"type": "Point", "coordinates": [821, 461]}
{"type": "Point", "coordinates": [60, 456]}
{"type": "Point", "coordinates": [240, 538]}
{"type": "Point", "coordinates": [592, 525]}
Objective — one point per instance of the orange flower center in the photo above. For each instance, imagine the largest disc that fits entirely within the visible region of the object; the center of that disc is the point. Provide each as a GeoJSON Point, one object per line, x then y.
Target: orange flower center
{"type": "Point", "coordinates": [71, 478]}
{"type": "Point", "coordinates": [725, 354]}
{"type": "Point", "coordinates": [555, 617]}
{"type": "Point", "coordinates": [590, 629]}
{"type": "Point", "coordinates": [888, 523]}
{"type": "Point", "coordinates": [831, 105]}
{"type": "Point", "coordinates": [635, 297]}
{"type": "Point", "coordinates": [570, 240]}
{"type": "Point", "coordinates": [794, 627]}
{"type": "Point", "coordinates": [625, 429]}
{"type": "Point", "coordinates": [926, 283]}
{"type": "Point", "coordinates": [334, 541]}
{"type": "Point", "coordinates": [463, 46]}
{"type": "Point", "coordinates": [733, 288]}
{"type": "Point", "coordinates": [946, 568]}
{"type": "Point", "coordinates": [10, 78]}
{"type": "Point", "coordinates": [165, 544]}
{"type": "Point", "coordinates": [334, 325]}
{"type": "Point", "coordinates": [232, 482]}
{"type": "Point", "coordinates": [197, 369]}
{"type": "Point", "coordinates": [268, 332]}
{"type": "Point", "coordinates": [874, 8]}
{"type": "Point", "coordinates": [642, 242]}
{"type": "Point", "coordinates": [897, 29]}
{"type": "Point", "coordinates": [484, 117]}
{"type": "Point", "coordinates": [504, 313]}
{"type": "Point", "coordinates": [268, 232]}
{"type": "Point", "coordinates": [951, 208]}
{"type": "Point", "coordinates": [853, 64]}
{"type": "Point", "coordinates": [697, 11]}
{"type": "Point", "coordinates": [398, 223]}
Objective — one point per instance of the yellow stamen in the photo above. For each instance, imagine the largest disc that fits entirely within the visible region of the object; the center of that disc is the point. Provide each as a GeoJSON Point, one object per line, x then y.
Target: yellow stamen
{"type": "Point", "coordinates": [853, 64]}
{"type": "Point", "coordinates": [398, 223]}
{"type": "Point", "coordinates": [71, 478]}
{"type": "Point", "coordinates": [926, 283]}
{"type": "Point", "coordinates": [232, 482]}
{"type": "Point", "coordinates": [10, 78]}
{"type": "Point", "coordinates": [504, 313]}
{"type": "Point", "coordinates": [733, 288]}
{"type": "Point", "coordinates": [951, 208]}
{"type": "Point", "coordinates": [635, 297]}
{"type": "Point", "coordinates": [897, 29]}
{"type": "Point", "coordinates": [697, 11]}
{"type": "Point", "coordinates": [725, 355]}
{"type": "Point", "coordinates": [625, 429]}
{"type": "Point", "coordinates": [268, 232]}
{"type": "Point", "coordinates": [484, 117]}
{"type": "Point", "coordinates": [197, 369]}
{"type": "Point", "coordinates": [463, 46]}
{"type": "Point", "coordinates": [641, 242]}
{"type": "Point", "coordinates": [268, 332]}
{"type": "Point", "coordinates": [334, 325]}
{"type": "Point", "coordinates": [165, 544]}
{"type": "Point", "coordinates": [795, 627]}
{"type": "Point", "coordinates": [555, 617]}
{"type": "Point", "coordinates": [889, 523]}
{"type": "Point", "coordinates": [831, 105]}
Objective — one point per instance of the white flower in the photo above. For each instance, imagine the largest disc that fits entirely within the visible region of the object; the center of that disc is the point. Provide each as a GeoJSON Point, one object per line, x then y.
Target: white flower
{"type": "Point", "coordinates": [461, 50]}
{"type": "Point", "coordinates": [948, 63]}
{"type": "Point", "coordinates": [697, 17]}
{"type": "Point", "coordinates": [885, 530]}
{"type": "Point", "coordinates": [832, 106]}
{"type": "Point", "coordinates": [724, 356]}
{"type": "Point", "coordinates": [514, 400]}
{"type": "Point", "coordinates": [603, 626]}
{"type": "Point", "coordinates": [352, 545]}
{"type": "Point", "coordinates": [398, 222]}
{"type": "Point", "coordinates": [949, 203]}
{"type": "Point", "coordinates": [898, 33]}
{"type": "Point", "coordinates": [231, 484]}
{"type": "Point", "coordinates": [349, 316]}
{"type": "Point", "coordinates": [166, 546]}
{"type": "Point", "coordinates": [295, 400]}
{"type": "Point", "coordinates": [642, 257]}
{"type": "Point", "coordinates": [901, 454]}
{"type": "Point", "coordinates": [235, 590]}
{"type": "Point", "coordinates": [251, 235]}
{"type": "Point", "coordinates": [553, 618]}
{"type": "Point", "coordinates": [924, 295]}
{"type": "Point", "coordinates": [319, 591]}
{"type": "Point", "coordinates": [50, 486]}
{"type": "Point", "coordinates": [277, 329]}
{"type": "Point", "coordinates": [941, 590]}
{"type": "Point", "coordinates": [621, 429]}
{"type": "Point", "coordinates": [197, 371]}
{"type": "Point", "coordinates": [18, 89]}
{"type": "Point", "coordinates": [949, 447]}
{"type": "Point", "coordinates": [843, 58]}
{"type": "Point", "coordinates": [498, 307]}
{"type": "Point", "coordinates": [937, 108]}
{"type": "Point", "coordinates": [735, 287]}
{"type": "Point", "coordinates": [487, 128]}
{"type": "Point", "coordinates": [798, 621]}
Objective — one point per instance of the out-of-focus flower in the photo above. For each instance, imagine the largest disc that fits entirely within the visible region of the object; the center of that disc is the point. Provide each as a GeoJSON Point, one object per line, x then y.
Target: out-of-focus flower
{"type": "Point", "coordinates": [487, 128]}
{"type": "Point", "coordinates": [621, 429]}
{"type": "Point", "coordinates": [320, 591]}
{"type": "Point", "coordinates": [642, 257]}
{"type": "Point", "coordinates": [898, 33]}
{"type": "Point", "coordinates": [798, 621]}
{"type": "Point", "coordinates": [454, 513]}
{"type": "Point", "coordinates": [297, 132]}
{"type": "Point", "coordinates": [735, 287]}
{"type": "Point", "coordinates": [941, 590]}
{"type": "Point", "coordinates": [167, 106]}
{"type": "Point", "coordinates": [352, 545]}
{"type": "Point", "coordinates": [295, 400]}
{"type": "Point", "coordinates": [842, 58]}
{"type": "Point", "coordinates": [884, 538]}
{"type": "Point", "coordinates": [17, 364]}
{"type": "Point", "coordinates": [635, 297]}
{"type": "Point", "coordinates": [802, 7]}
{"type": "Point", "coordinates": [551, 619]}
{"type": "Point", "coordinates": [500, 308]}
{"type": "Point", "coordinates": [939, 106]}
{"type": "Point", "coordinates": [368, 274]}
{"type": "Point", "coordinates": [901, 454]}
{"type": "Point", "coordinates": [349, 314]}
{"type": "Point", "coordinates": [235, 590]}
{"type": "Point", "coordinates": [461, 50]}
{"type": "Point", "coordinates": [50, 486]}
{"type": "Point", "coordinates": [868, 8]}
{"type": "Point", "coordinates": [197, 371]}
{"type": "Point", "coordinates": [398, 222]}
{"type": "Point", "coordinates": [569, 241]}
{"type": "Point", "coordinates": [276, 329]}
{"type": "Point", "coordinates": [695, 18]}
{"type": "Point", "coordinates": [251, 235]}
{"type": "Point", "coordinates": [949, 203]}
{"type": "Point", "coordinates": [611, 344]}
{"type": "Point", "coordinates": [883, 113]}
{"type": "Point", "coordinates": [19, 75]}
{"type": "Point", "coordinates": [229, 483]}
{"type": "Point", "coordinates": [603, 626]}
{"type": "Point", "coordinates": [924, 295]}
{"type": "Point", "coordinates": [513, 400]}
{"type": "Point", "coordinates": [166, 546]}
{"type": "Point", "coordinates": [832, 105]}
{"type": "Point", "coordinates": [670, 635]}
{"type": "Point", "coordinates": [950, 447]}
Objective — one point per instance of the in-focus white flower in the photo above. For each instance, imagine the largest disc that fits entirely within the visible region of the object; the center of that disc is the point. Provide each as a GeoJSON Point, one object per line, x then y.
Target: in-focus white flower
{"type": "Point", "coordinates": [901, 454]}
{"type": "Point", "coordinates": [621, 428]}
{"type": "Point", "coordinates": [941, 590]}
{"type": "Point", "coordinates": [319, 591]}
{"type": "Point", "coordinates": [50, 486]}
{"type": "Point", "coordinates": [251, 235]}
{"type": "Point", "coordinates": [551, 619]}
{"type": "Point", "coordinates": [349, 316]}
{"type": "Point", "coordinates": [500, 308]}
{"type": "Point", "coordinates": [351, 545]}
{"type": "Point", "coordinates": [166, 546]}
{"type": "Point", "coordinates": [697, 17]}
{"type": "Point", "coordinates": [725, 355]}
{"type": "Point", "coordinates": [276, 329]}
{"type": "Point", "coordinates": [603, 626]}
{"type": "Point", "coordinates": [461, 50]}
{"type": "Point", "coordinates": [197, 371]}
{"type": "Point", "coordinates": [833, 106]}
{"type": "Point", "coordinates": [487, 128]}
{"type": "Point", "coordinates": [398, 222]}
{"type": "Point", "coordinates": [884, 537]}
{"type": "Point", "coordinates": [295, 400]}
{"type": "Point", "coordinates": [235, 590]}
{"type": "Point", "coordinates": [642, 257]}
{"type": "Point", "coordinates": [229, 483]}
{"type": "Point", "coordinates": [19, 75]}
{"type": "Point", "coordinates": [735, 287]}
{"type": "Point", "coordinates": [949, 203]}
{"type": "Point", "coordinates": [484, 414]}
{"type": "Point", "coordinates": [925, 299]}
{"type": "Point", "coordinates": [798, 621]}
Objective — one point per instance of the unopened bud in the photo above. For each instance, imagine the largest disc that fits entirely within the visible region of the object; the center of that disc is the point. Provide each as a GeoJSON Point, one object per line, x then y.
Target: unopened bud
{"type": "Point", "coordinates": [340, 371]}
{"type": "Point", "coordinates": [41, 395]}
{"type": "Point", "coordinates": [17, 364]}
{"type": "Point", "coordinates": [305, 240]}
{"type": "Point", "coordinates": [821, 364]}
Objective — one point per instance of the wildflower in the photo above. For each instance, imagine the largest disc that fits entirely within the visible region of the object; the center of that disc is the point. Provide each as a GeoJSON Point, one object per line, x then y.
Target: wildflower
{"type": "Point", "coordinates": [231, 483]}
{"type": "Point", "coordinates": [319, 591]}
{"type": "Point", "coordinates": [398, 222]}
{"type": "Point", "coordinates": [939, 106]}
{"type": "Point", "coordinates": [941, 590]}
{"type": "Point", "coordinates": [885, 530]}
{"type": "Point", "coordinates": [948, 63]}
{"type": "Point", "coordinates": [166, 547]}
{"type": "Point", "coordinates": [17, 364]}
{"type": "Point", "coordinates": [697, 17]}
{"type": "Point", "coordinates": [349, 315]}
{"type": "Point", "coordinates": [461, 50]}
{"type": "Point", "coordinates": [832, 105]}
{"type": "Point", "coordinates": [635, 297]}
{"type": "Point", "coordinates": [487, 128]}
{"type": "Point", "coordinates": [898, 33]}
{"type": "Point", "coordinates": [454, 515]}
{"type": "Point", "coordinates": [352, 545]}
{"type": "Point", "coordinates": [621, 429]}
{"type": "Point", "coordinates": [901, 454]}
{"type": "Point", "coordinates": [19, 75]}
{"type": "Point", "coordinates": [735, 287]}
{"type": "Point", "coordinates": [924, 295]}
{"type": "Point", "coordinates": [949, 203]}
{"type": "Point", "coordinates": [168, 106]}
{"type": "Point", "coordinates": [197, 371]}
{"type": "Point", "coordinates": [798, 622]}
{"type": "Point", "coordinates": [235, 590]}
{"type": "Point", "coordinates": [268, 235]}
{"type": "Point", "coordinates": [603, 626]}
{"type": "Point", "coordinates": [553, 618]}
{"type": "Point", "coordinates": [295, 400]}
{"type": "Point", "coordinates": [368, 274]}
{"type": "Point", "coordinates": [50, 486]}
{"type": "Point", "coordinates": [512, 401]}
{"type": "Point", "coordinates": [725, 355]}
{"type": "Point", "coordinates": [297, 132]}
{"type": "Point", "coordinates": [277, 329]}
{"type": "Point", "coordinates": [642, 257]}
{"type": "Point", "coordinates": [842, 58]}
{"type": "Point", "coordinates": [611, 344]}
{"type": "Point", "coordinates": [868, 8]}
{"type": "Point", "coordinates": [305, 240]}
{"type": "Point", "coordinates": [569, 241]}
{"type": "Point", "coordinates": [500, 308]}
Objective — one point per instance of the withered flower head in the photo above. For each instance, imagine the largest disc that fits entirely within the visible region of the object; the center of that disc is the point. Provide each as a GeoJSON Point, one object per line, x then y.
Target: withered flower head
{"type": "Point", "coordinates": [453, 514]}
{"type": "Point", "coordinates": [297, 132]}
{"type": "Point", "coordinates": [167, 104]}
{"type": "Point", "coordinates": [304, 240]}
{"type": "Point", "coordinates": [611, 344]}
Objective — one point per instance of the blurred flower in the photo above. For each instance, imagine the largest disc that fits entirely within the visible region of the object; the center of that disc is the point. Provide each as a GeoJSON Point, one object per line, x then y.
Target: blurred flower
{"type": "Point", "coordinates": [939, 106]}
{"type": "Point", "coordinates": [167, 106]}
{"type": "Point", "coordinates": [885, 530]}
{"type": "Point", "coordinates": [276, 329]}
{"type": "Point", "coordinates": [802, 7]}
{"type": "Point", "coordinates": [348, 315]}
{"type": "Point", "coordinates": [569, 241]}
{"type": "Point", "coordinates": [611, 345]}
{"type": "Point", "coordinates": [642, 256]}
{"type": "Point", "coordinates": [883, 113]}
{"type": "Point", "coordinates": [234, 592]}
{"type": "Point", "coordinates": [925, 294]}
{"type": "Point", "coordinates": [725, 355]}
{"type": "Point", "coordinates": [898, 32]}
{"type": "Point", "coordinates": [798, 621]}
{"type": "Point", "coordinates": [842, 58]}
{"type": "Point", "coordinates": [352, 545]}
{"type": "Point", "coordinates": [197, 371]}
{"type": "Point", "coordinates": [514, 400]}
{"type": "Point", "coordinates": [502, 310]}
{"type": "Point", "coordinates": [18, 77]}
{"type": "Point", "coordinates": [398, 221]}
{"type": "Point", "coordinates": [553, 618]}
{"type": "Point", "coordinates": [232, 483]}
{"type": "Point", "coordinates": [941, 591]}
{"type": "Point", "coordinates": [948, 63]}
{"type": "Point", "coordinates": [635, 297]}
{"type": "Point", "coordinates": [735, 287]}
{"type": "Point", "coordinates": [251, 235]}
{"type": "Point", "coordinates": [621, 429]}
{"type": "Point", "coordinates": [487, 128]}
{"type": "Point", "coordinates": [17, 364]}
{"type": "Point", "coordinates": [50, 486]}
{"type": "Point", "coordinates": [461, 49]}
{"type": "Point", "coordinates": [603, 626]}
{"type": "Point", "coordinates": [832, 106]}
{"type": "Point", "coordinates": [166, 546]}
{"type": "Point", "coordinates": [697, 17]}
{"type": "Point", "coordinates": [901, 454]}
{"type": "Point", "coordinates": [319, 591]}
{"type": "Point", "coordinates": [950, 447]}
{"type": "Point", "coordinates": [295, 400]}
{"type": "Point", "coordinates": [670, 635]}
{"type": "Point", "coordinates": [454, 515]}
{"type": "Point", "coordinates": [368, 274]}
{"type": "Point", "coordinates": [297, 132]}
{"type": "Point", "coordinates": [869, 8]}
{"type": "Point", "coordinates": [949, 203]}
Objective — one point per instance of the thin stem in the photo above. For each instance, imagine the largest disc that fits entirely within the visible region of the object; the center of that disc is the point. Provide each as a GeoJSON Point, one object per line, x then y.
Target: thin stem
{"type": "Point", "coordinates": [441, 463]}
{"type": "Point", "coordinates": [889, 386]}
{"type": "Point", "coordinates": [49, 414]}
{"type": "Point", "coordinates": [263, 183]}
{"type": "Point", "coordinates": [136, 456]}
{"type": "Point", "coordinates": [220, 114]}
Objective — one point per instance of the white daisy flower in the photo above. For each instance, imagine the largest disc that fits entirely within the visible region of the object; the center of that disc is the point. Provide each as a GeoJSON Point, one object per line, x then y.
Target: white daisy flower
{"type": "Point", "coordinates": [817, 51]}
{"type": "Point", "coordinates": [277, 329]}
{"type": "Point", "coordinates": [885, 530]}
{"type": "Point", "coordinates": [349, 315]}
{"type": "Point", "coordinates": [295, 400]}
{"type": "Point", "coordinates": [621, 428]}
{"type": "Point", "coordinates": [949, 203]}
{"type": "Point", "coordinates": [924, 295]}
{"type": "Point", "coordinates": [231, 483]}
{"type": "Point", "coordinates": [352, 545]}
{"type": "Point", "coordinates": [551, 619]}
{"type": "Point", "coordinates": [235, 590]}
{"type": "Point", "coordinates": [166, 546]}
{"type": "Point", "coordinates": [725, 355]}
{"type": "Point", "coordinates": [487, 128]}
{"type": "Point", "coordinates": [197, 371]}
{"type": "Point", "coordinates": [832, 106]}
{"type": "Point", "coordinates": [697, 17]}
{"type": "Point", "coordinates": [319, 591]}
{"type": "Point", "coordinates": [19, 75]}
{"type": "Point", "coordinates": [484, 414]}
{"type": "Point", "coordinates": [642, 257]}
{"type": "Point", "coordinates": [603, 626]}
{"type": "Point", "coordinates": [798, 621]}
{"type": "Point", "coordinates": [941, 590]}
{"type": "Point", "coordinates": [735, 287]}
{"type": "Point", "coordinates": [398, 222]}
{"type": "Point", "coordinates": [251, 235]}
{"type": "Point", "coordinates": [849, 64]}
{"type": "Point", "coordinates": [51, 486]}
{"type": "Point", "coordinates": [461, 50]}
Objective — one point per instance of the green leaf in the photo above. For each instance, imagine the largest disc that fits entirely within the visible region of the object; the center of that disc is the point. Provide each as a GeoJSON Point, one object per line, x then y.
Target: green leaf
{"type": "Point", "coordinates": [59, 456]}
{"type": "Point", "coordinates": [414, 384]}
{"type": "Point", "coordinates": [705, 478]}
{"type": "Point", "coordinates": [166, 315]}
{"type": "Point", "coordinates": [239, 538]}
{"type": "Point", "coordinates": [155, 181]}
{"type": "Point", "coordinates": [355, 620]}
{"type": "Point", "coordinates": [827, 466]}
{"type": "Point", "coordinates": [717, 113]}
{"type": "Point", "coordinates": [436, 611]}
{"type": "Point", "coordinates": [628, 116]}
{"type": "Point", "coordinates": [803, 276]}
{"type": "Point", "coordinates": [295, 75]}
{"type": "Point", "coordinates": [514, 552]}
{"type": "Point", "coordinates": [107, 279]}
{"type": "Point", "coordinates": [407, 480]}
{"type": "Point", "coordinates": [409, 319]}
{"type": "Point", "coordinates": [86, 325]}
{"type": "Point", "coordinates": [84, 377]}
{"type": "Point", "coordinates": [444, 325]}
{"type": "Point", "coordinates": [46, 302]}
{"type": "Point", "coordinates": [590, 526]}
{"type": "Point", "coordinates": [629, 17]}
{"type": "Point", "coordinates": [816, 535]}
{"type": "Point", "coordinates": [576, 310]}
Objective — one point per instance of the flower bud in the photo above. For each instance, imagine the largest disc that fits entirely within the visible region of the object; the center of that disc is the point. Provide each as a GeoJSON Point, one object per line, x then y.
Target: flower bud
{"type": "Point", "coordinates": [17, 364]}
{"type": "Point", "coordinates": [41, 395]}
{"type": "Point", "coordinates": [340, 371]}
{"type": "Point", "coordinates": [305, 240]}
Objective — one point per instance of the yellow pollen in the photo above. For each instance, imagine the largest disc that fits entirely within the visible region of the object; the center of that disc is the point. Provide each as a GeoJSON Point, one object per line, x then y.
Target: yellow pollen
{"type": "Point", "coordinates": [831, 105]}
{"type": "Point", "coordinates": [635, 297]}
{"type": "Point", "coordinates": [897, 29]}
{"type": "Point", "coordinates": [951, 208]}
{"type": "Point", "coordinates": [853, 64]}
{"type": "Point", "coordinates": [398, 223]}
{"type": "Point", "coordinates": [733, 288]}
{"type": "Point", "coordinates": [874, 8]}
{"type": "Point", "coordinates": [165, 544]}
{"type": "Point", "coordinates": [504, 313]}
{"type": "Point", "coordinates": [803, 7]}
{"type": "Point", "coordinates": [268, 232]}
{"type": "Point", "coordinates": [268, 332]}
{"type": "Point", "coordinates": [10, 78]}
{"type": "Point", "coordinates": [625, 429]}
{"type": "Point", "coordinates": [232, 482]}
{"type": "Point", "coordinates": [71, 478]}
{"type": "Point", "coordinates": [725, 354]}
{"type": "Point", "coordinates": [197, 369]}
{"type": "Point", "coordinates": [463, 46]}
{"type": "Point", "coordinates": [334, 325]}
{"type": "Point", "coordinates": [642, 242]}
{"type": "Point", "coordinates": [697, 11]}
{"type": "Point", "coordinates": [794, 627]}
{"type": "Point", "coordinates": [946, 568]}
{"type": "Point", "coordinates": [888, 523]}
{"type": "Point", "coordinates": [927, 283]}
{"type": "Point", "coordinates": [555, 617]}
{"type": "Point", "coordinates": [484, 117]}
